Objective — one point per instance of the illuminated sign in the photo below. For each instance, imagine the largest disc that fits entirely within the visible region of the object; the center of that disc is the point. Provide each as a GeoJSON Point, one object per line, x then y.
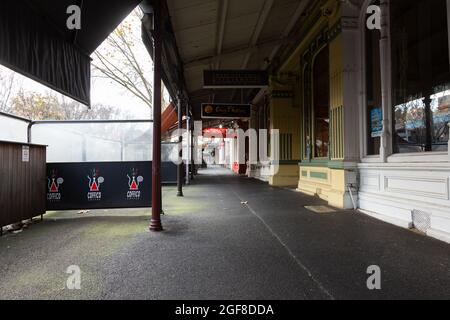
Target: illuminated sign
{"type": "Point", "coordinates": [226, 111]}
{"type": "Point", "coordinates": [218, 131]}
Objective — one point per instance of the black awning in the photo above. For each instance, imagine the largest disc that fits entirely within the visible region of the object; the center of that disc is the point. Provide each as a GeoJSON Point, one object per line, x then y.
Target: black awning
{"type": "Point", "coordinates": [35, 41]}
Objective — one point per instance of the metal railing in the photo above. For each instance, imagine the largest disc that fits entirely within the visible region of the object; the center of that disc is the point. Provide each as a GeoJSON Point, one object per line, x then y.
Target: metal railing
{"type": "Point", "coordinates": [10, 128]}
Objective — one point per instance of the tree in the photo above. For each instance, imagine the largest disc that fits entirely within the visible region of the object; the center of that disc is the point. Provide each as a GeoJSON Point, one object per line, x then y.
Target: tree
{"type": "Point", "coordinates": [72, 110]}
{"type": "Point", "coordinates": [122, 61]}
{"type": "Point", "coordinates": [38, 106]}
{"type": "Point", "coordinates": [7, 83]}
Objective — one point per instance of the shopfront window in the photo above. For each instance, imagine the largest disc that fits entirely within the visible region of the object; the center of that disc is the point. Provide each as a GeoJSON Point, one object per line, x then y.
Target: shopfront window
{"type": "Point", "coordinates": [420, 75]}
{"type": "Point", "coordinates": [373, 90]}
{"type": "Point", "coordinates": [440, 109]}
{"type": "Point", "coordinates": [321, 103]}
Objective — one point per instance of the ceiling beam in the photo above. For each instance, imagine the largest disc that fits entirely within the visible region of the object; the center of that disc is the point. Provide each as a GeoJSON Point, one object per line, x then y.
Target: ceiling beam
{"type": "Point", "coordinates": [222, 19]}
{"type": "Point", "coordinates": [213, 61]}
{"type": "Point", "coordinates": [287, 31]}
{"type": "Point", "coordinates": [223, 13]}
{"type": "Point", "coordinates": [202, 61]}
{"type": "Point", "coordinates": [199, 93]}
{"type": "Point", "coordinates": [294, 19]}
{"type": "Point", "coordinates": [263, 15]}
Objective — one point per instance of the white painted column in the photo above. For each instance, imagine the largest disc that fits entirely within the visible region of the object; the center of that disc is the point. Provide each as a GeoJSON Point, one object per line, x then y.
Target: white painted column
{"type": "Point", "coordinates": [449, 140]}
{"type": "Point", "coordinates": [232, 152]}
{"type": "Point", "coordinates": [350, 76]}
{"type": "Point", "coordinates": [386, 148]}
{"type": "Point", "coordinates": [448, 35]}
{"type": "Point", "coordinates": [188, 147]}
{"type": "Point", "coordinates": [448, 26]}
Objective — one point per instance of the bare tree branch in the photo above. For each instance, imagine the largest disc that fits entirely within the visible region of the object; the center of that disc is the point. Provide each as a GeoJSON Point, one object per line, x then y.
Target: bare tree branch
{"type": "Point", "coordinates": [6, 88]}
{"type": "Point", "coordinates": [119, 62]}
{"type": "Point", "coordinates": [126, 83]}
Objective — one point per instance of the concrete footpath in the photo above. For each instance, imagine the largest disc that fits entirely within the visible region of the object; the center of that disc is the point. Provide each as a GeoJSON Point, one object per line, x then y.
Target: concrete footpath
{"type": "Point", "coordinates": [229, 238]}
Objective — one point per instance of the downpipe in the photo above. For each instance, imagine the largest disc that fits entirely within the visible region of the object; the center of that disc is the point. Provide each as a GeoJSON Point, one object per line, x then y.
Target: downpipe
{"type": "Point", "coordinates": [350, 188]}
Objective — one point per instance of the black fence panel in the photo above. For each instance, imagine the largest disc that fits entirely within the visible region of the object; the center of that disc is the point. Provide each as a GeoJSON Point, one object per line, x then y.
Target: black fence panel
{"type": "Point", "coordinates": [99, 185]}
{"type": "Point", "coordinates": [169, 174]}
{"type": "Point", "coordinates": [103, 185]}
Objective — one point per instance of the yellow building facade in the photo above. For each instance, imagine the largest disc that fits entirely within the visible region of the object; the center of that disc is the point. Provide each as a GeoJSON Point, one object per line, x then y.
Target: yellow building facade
{"type": "Point", "coordinates": [306, 104]}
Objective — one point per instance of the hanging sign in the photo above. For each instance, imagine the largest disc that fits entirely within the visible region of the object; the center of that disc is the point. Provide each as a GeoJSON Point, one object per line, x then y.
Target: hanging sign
{"type": "Point", "coordinates": [216, 79]}
{"type": "Point", "coordinates": [226, 111]}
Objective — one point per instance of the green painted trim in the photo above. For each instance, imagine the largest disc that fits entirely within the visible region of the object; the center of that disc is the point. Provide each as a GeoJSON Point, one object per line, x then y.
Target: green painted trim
{"type": "Point", "coordinates": [305, 174]}
{"type": "Point", "coordinates": [315, 163]}
{"type": "Point", "coordinates": [336, 164]}
{"type": "Point", "coordinates": [321, 41]}
{"type": "Point", "coordinates": [339, 165]}
{"type": "Point", "coordinates": [319, 175]}
{"type": "Point", "coordinates": [288, 162]}
{"type": "Point", "coordinates": [335, 31]}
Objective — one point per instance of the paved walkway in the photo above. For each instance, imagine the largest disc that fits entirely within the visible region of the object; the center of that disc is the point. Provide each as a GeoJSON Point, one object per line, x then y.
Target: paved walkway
{"type": "Point", "coordinates": [229, 238]}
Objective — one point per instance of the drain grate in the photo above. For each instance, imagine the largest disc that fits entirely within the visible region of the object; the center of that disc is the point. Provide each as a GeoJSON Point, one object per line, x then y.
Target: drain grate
{"type": "Point", "coordinates": [421, 220]}
{"type": "Point", "coordinates": [320, 209]}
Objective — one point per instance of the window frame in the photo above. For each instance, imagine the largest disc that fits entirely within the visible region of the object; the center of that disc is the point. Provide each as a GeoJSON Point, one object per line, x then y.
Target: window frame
{"type": "Point", "coordinates": [306, 121]}
{"type": "Point", "coordinates": [387, 97]}
{"type": "Point", "coordinates": [313, 109]}
{"type": "Point", "coordinates": [427, 110]}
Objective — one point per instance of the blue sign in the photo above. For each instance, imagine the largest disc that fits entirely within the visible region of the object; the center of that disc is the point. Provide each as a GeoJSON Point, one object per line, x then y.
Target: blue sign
{"type": "Point", "coordinates": [376, 122]}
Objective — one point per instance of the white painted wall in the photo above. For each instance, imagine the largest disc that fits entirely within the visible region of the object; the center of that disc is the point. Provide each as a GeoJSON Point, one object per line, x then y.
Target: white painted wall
{"type": "Point", "coordinates": [392, 186]}
{"type": "Point", "coordinates": [392, 191]}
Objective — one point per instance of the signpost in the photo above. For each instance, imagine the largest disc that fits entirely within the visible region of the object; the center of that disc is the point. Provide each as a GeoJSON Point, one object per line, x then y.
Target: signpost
{"type": "Point", "coordinates": [155, 223]}
{"type": "Point", "coordinates": [232, 79]}
{"type": "Point", "coordinates": [226, 111]}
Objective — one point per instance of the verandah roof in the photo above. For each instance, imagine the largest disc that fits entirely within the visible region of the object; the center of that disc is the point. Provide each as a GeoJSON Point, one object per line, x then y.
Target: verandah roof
{"type": "Point", "coordinates": [35, 41]}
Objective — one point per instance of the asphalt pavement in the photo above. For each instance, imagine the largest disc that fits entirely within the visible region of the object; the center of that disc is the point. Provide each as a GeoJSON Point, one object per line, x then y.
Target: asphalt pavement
{"type": "Point", "coordinates": [230, 237]}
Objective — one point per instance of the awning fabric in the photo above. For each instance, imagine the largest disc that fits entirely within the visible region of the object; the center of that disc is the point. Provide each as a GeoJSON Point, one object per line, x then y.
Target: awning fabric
{"type": "Point", "coordinates": [35, 41]}
{"type": "Point", "coordinates": [168, 118]}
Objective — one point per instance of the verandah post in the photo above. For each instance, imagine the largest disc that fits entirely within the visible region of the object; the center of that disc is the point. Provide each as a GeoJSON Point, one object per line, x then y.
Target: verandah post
{"type": "Point", "coordinates": [155, 224]}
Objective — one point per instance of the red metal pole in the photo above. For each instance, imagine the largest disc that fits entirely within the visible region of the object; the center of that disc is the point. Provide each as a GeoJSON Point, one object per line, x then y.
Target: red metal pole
{"type": "Point", "coordinates": [156, 224]}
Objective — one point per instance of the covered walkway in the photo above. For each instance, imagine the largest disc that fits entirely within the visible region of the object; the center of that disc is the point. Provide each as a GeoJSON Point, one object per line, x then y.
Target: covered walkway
{"type": "Point", "coordinates": [230, 237]}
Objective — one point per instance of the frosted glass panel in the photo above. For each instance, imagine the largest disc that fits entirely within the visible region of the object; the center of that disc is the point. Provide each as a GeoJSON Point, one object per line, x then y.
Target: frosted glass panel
{"type": "Point", "coordinates": [95, 142]}
{"type": "Point", "coordinates": [13, 130]}
{"type": "Point", "coordinates": [169, 152]}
